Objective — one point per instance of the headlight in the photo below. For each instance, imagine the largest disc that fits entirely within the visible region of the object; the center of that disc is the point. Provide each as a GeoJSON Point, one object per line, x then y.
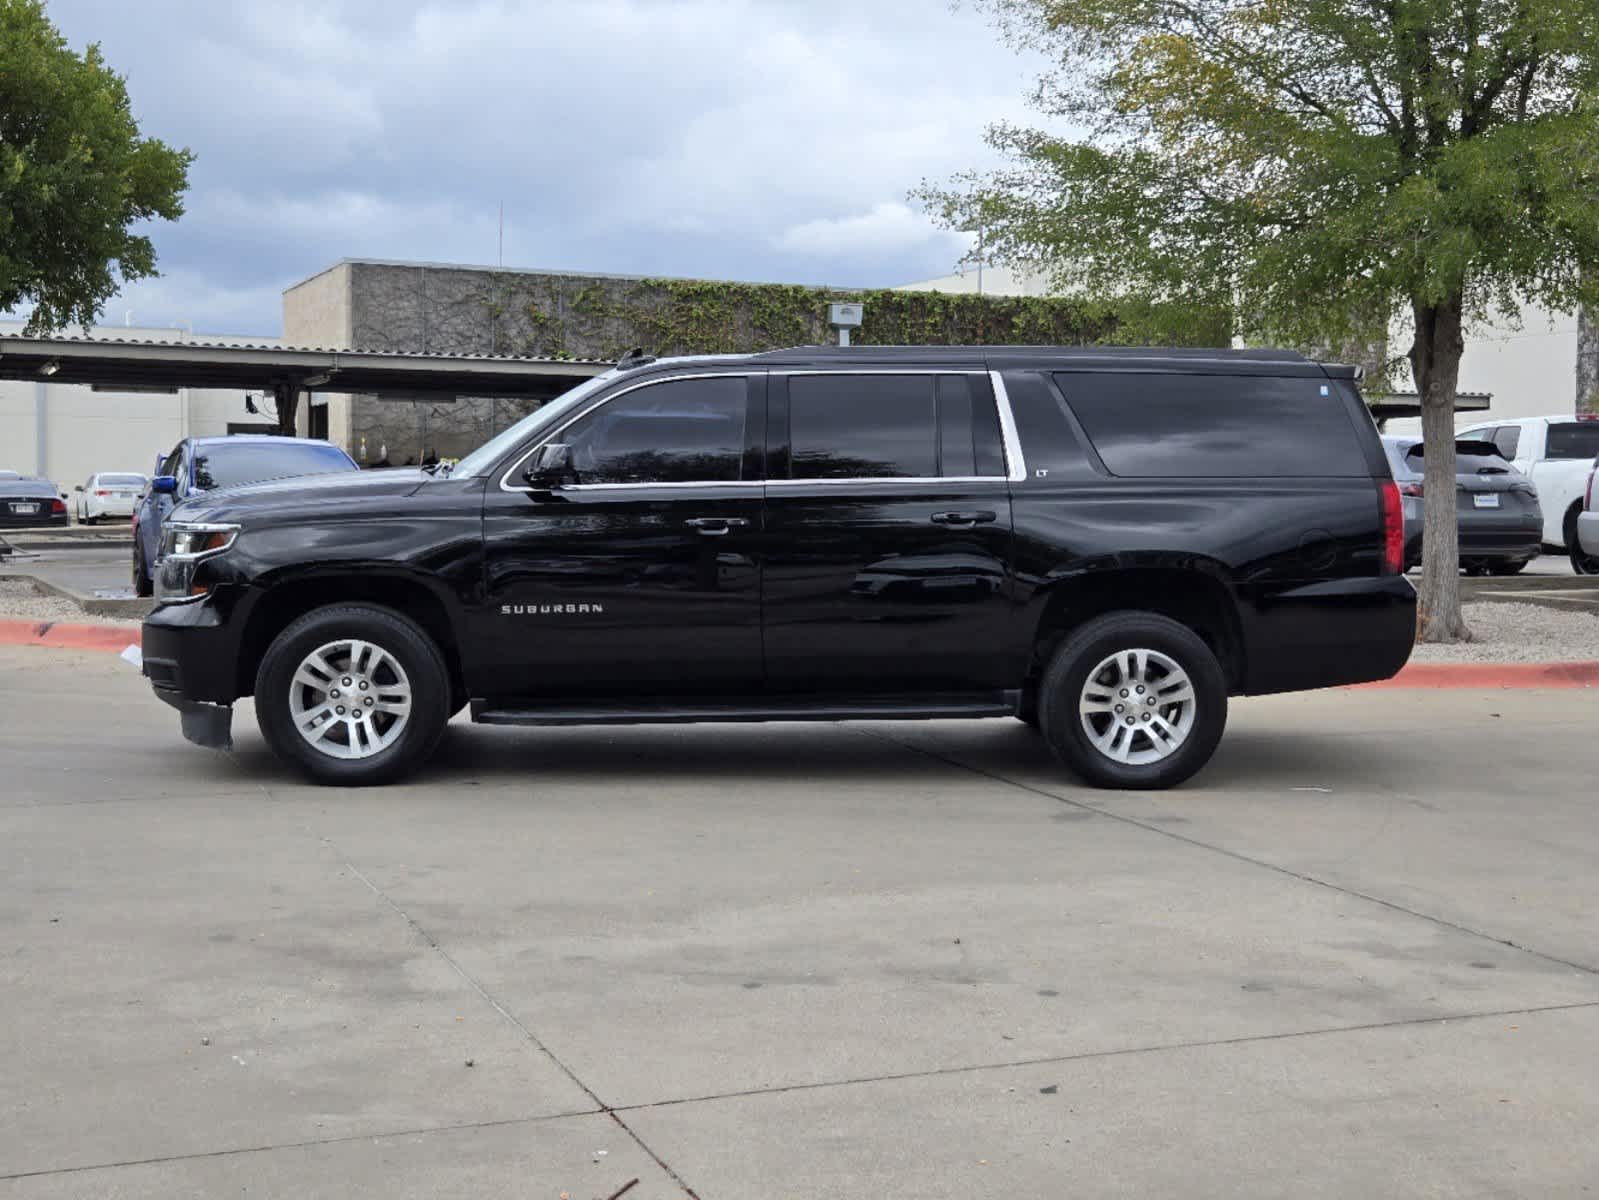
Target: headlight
{"type": "Point", "coordinates": [184, 546]}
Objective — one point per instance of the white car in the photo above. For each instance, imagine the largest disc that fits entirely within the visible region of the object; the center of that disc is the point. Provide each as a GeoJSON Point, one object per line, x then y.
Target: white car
{"type": "Point", "coordinates": [108, 494]}
{"type": "Point", "coordinates": [1557, 453]}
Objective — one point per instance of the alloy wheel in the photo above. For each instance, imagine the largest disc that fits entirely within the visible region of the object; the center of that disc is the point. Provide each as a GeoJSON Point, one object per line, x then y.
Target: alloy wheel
{"type": "Point", "coordinates": [1137, 707]}
{"type": "Point", "coordinates": [350, 699]}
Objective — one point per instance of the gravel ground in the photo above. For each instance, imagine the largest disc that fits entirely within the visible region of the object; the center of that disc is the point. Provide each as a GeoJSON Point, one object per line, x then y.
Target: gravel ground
{"type": "Point", "coordinates": [19, 600]}
{"type": "Point", "coordinates": [1504, 632]}
{"type": "Point", "coordinates": [1511, 632]}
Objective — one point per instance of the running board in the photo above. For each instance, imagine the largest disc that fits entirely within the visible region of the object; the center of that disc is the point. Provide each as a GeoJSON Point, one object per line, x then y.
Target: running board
{"type": "Point", "coordinates": [808, 708]}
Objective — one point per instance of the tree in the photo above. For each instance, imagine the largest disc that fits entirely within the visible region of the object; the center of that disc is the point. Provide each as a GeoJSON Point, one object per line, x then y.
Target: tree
{"type": "Point", "coordinates": [75, 176]}
{"type": "Point", "coordinates": [1328, 167]}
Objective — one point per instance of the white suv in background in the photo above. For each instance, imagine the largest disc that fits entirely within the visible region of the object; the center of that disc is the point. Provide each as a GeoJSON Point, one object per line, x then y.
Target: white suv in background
{"type": "Point", "coordinates": [1557, 454]}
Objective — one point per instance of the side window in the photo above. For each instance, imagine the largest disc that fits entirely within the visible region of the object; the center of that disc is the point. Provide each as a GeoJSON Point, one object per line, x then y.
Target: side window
{"type": "Point", "coordinates": [969, 442]}
{"type": "Point", "coordinates": [169, 465]}
{"type": "Point", "coordinates": [1506, 438]}
{"type": "Point", "coordinates": [888, 426]}
{"type": "Point", "coordinates": [681, 431]}
{"type": "Point", "coordinates": [1215, 426]}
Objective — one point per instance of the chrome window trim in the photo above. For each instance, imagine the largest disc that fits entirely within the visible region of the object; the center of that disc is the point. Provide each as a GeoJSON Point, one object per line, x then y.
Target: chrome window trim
{"type": "Point", "coordinates": [1015, 463]}
{"type": "Point", "coordinates": [1010, 442]}
{"type": "Point", "coordinates": [600, 403]}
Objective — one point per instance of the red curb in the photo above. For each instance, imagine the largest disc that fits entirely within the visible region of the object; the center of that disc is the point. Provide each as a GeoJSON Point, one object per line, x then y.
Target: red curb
{"type": "Point", "coordinates": [1493, 675]}
{"type": "Point", "coordinates": [112, 639]}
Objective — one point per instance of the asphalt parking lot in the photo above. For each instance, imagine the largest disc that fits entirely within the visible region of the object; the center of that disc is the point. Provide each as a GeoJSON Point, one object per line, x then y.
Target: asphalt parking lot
{"type": "Point", "coordinates": [1357, 957]}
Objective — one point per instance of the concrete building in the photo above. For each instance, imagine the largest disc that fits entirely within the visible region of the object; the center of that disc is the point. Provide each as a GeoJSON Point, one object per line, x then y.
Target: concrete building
{"type": "Point", "coordinates": [67, 432]}
{"type": "Point", "coordinates": [432, 308]}
{"type": "Point", "coordinates": [1530, 368]}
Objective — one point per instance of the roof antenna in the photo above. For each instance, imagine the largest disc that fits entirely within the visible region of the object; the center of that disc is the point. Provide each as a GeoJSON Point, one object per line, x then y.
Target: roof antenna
{"type": "Point", "coordinates": [634, 358]}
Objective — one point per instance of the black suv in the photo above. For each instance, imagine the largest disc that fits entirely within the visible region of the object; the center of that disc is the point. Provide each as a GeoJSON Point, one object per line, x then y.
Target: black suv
{"type": "Point", "coordinates": [1105, 544]}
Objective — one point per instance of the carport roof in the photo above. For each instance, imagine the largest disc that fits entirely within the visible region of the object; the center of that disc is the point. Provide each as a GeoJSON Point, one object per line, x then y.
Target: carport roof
{"type": "Point", "coordinates": [115, 362]}
{"type": "Point", "coordinates": [1408, 404]}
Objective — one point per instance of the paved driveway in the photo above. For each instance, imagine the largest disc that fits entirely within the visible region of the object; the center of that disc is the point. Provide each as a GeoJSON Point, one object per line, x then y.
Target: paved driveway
{"type": "Point", "coordinates": [1357, 958]}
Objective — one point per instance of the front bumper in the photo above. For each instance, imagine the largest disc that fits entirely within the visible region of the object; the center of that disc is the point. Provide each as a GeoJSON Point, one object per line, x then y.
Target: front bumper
{"type": "Point", "coordinates": [191, 660]}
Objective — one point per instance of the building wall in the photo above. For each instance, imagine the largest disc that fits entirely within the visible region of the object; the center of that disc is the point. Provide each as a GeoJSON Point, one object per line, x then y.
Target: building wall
{"type": "Point", "coordinates": [84, 431]}
{"type": "Point", "coordinates": [407, 307]}
{"type": "Point", "coordinates": [319, 318]}
{"type": "Point", "coordinates": [462, 310]}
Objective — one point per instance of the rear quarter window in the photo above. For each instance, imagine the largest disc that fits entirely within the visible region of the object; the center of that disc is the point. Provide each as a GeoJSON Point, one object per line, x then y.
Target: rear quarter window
{"type": "Point", "coordinates": [1148, 425]}
{"type": "Point", "coordinates": [1573, 439]}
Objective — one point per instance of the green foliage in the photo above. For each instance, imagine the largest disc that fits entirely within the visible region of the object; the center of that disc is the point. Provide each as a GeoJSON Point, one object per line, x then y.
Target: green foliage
{"type": "Point", "coordinates": [680, 316]}
{"type": "Point", "coordinates": [1326, 165]}
{"type": "Point", "coordinates": [75, 175]}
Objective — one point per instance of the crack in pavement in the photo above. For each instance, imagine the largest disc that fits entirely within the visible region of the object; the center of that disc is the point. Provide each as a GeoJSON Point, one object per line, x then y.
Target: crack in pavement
{"type": "Point", "coordinates": [1236, 855]}
{"type": "Point", "coordinates": [298, 1145]}
{"type": "Point", "coordinates": [510, 1017]}
{"type": "Point", "coordinates": [1123, 1052]}
{"type": "Point", "coordinates": [818, 1085]}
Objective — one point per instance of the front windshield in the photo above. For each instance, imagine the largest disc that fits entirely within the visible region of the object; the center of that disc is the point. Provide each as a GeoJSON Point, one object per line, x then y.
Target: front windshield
{"type": "Point", "coordinates": [501, 444]}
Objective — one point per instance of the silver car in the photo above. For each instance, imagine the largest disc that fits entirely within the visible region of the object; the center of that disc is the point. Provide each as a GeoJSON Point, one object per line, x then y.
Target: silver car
{"type": "Point", "coordinates": [1500, 521]}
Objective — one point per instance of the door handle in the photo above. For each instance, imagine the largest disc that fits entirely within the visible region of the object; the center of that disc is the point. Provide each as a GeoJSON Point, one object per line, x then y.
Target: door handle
{"type": "Point", "coordinates": [964, 520]}
{"type": "Point", "coordinates": [715, 526]}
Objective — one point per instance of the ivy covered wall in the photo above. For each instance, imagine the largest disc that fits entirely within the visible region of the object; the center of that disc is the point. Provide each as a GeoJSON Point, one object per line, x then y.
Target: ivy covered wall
{"type": "Point", "coordinates": [466, 310]}
{"type": "Point", "coordinates": [604, 318]}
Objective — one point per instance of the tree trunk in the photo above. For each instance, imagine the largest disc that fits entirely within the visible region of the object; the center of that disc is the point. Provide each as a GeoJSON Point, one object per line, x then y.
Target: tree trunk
{"type": "Point", "coordinates": [288, 402]}
{"type": "Point", "coordinates": [1435, 362]}
{"type": "Point", "coordinates": [1587, 361]}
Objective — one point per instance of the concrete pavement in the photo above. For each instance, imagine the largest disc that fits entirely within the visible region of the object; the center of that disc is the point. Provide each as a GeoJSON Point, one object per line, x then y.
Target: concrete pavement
{"type": "Point", "coordinates": [1354, 958]}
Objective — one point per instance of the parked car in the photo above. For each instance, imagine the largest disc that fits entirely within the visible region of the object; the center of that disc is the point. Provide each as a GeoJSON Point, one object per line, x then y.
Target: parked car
{"type": "Point", "coordinates": [1500, 521]}
{"type": "Point", "coordinates": [1106, 544]}
{"type": "Point", "coordinates": [26, 502]}
{"type": "Point", "coordinates": [1555, 453]}
{"type": "Point", "coordinates": [196, 466]}
{"type": "Point", "coordinates": [1585, 551]}
{"type": "Point", "coordinates": [108, 494]}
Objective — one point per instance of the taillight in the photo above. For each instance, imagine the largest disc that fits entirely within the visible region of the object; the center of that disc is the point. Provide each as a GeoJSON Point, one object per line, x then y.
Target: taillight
{"type": "Point", "coordinates": [1393, 529]}
{"type": "Point", "coordinates": [58, 507]}
{"type": "Point", "coordinates": [101, 492]}
{"type": "Point", "coordinates": [1410, 489]}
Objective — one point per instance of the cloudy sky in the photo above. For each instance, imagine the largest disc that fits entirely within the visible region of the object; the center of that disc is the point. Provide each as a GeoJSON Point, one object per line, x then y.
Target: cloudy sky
{"type": "Point", "coordinates": [735, 139]}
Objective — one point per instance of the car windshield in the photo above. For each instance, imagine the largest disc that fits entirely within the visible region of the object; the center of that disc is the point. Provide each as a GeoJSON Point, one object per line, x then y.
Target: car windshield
{"type": "Point", "coordinates": [123, 481]}
{"type": "Point", "coordinates": [1573, 439]}
{"type": "Point", "coordinates": [225, 465]}
{"type": "Point", "coordinates": [501, 444]}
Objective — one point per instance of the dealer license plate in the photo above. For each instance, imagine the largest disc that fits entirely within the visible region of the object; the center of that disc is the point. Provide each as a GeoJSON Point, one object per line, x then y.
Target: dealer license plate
{"type": "Point", "coordinates": [24, 510]}
{"type": "Point", "coordinates": [1491, 500]}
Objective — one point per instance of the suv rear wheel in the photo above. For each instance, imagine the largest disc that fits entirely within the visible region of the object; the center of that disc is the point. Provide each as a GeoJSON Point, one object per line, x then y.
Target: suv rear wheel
{"type": "Point", "coordinates": [1133, 700]}
{"type": "Point", "coordinates": [353, 694]}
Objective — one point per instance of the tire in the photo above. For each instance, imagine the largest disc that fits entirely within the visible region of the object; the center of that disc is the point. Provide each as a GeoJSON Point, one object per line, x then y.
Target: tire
{"type": "Point", "coordinates": [1088, 653]}
{"type": "Point", "coordinates": [143, 585]}
{"type": "Point", "coordinates": [399, 660]}
{"type": "Point", "coordinates": [91, 520]}
{"type": "Point", "coordinates": [1581, 564]}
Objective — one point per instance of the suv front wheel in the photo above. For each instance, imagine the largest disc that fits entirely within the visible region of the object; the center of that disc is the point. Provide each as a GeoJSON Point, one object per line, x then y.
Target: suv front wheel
{"type": "Point", "coordinates": [353, 694]}
{"type": "Point", "coordinates": [1133, 700]}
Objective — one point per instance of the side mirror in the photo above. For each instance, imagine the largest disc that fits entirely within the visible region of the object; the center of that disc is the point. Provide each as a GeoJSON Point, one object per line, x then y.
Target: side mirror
{"type": "Point", "coordinates": [552, 467]}
{"type": "Point", "coordinates": [165, 485]}
{"type": "Point", "coordinates": [79, 488]}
